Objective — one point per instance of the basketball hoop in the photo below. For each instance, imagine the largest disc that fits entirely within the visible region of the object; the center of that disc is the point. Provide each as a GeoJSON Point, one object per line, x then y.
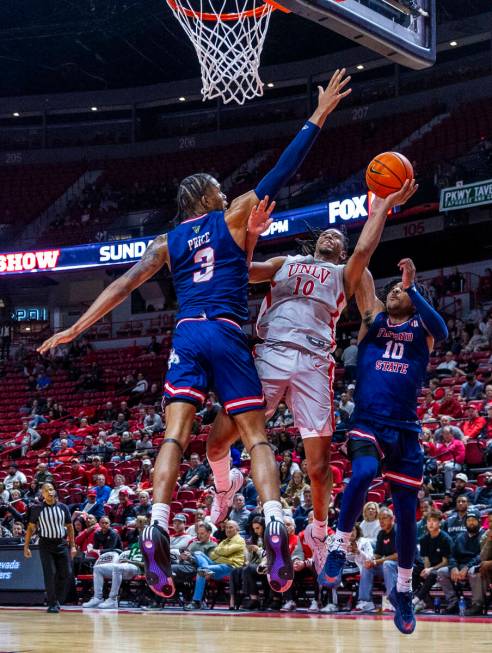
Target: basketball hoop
{"type": "Point", "coordinates": [228, 37]}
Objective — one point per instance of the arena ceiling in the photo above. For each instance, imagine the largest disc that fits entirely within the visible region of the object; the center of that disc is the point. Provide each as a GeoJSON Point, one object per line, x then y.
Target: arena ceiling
{"type": "Point", "coordinates": [83, 45]}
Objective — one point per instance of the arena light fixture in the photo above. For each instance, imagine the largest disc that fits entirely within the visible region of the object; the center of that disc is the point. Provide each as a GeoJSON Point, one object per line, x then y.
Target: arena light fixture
{"type": "Point", "coordinates": [16, 114]}
{"type": "Point", "coordinates": [360, 67]}
{"type": "Point", "coordinates": [94, 109]}
{"type": "Point", "coordinates": [182, 98]}
{"type": "Point", "coordinates": [453, 44]}
{"type": "Point", "coordinates": [270, 84]}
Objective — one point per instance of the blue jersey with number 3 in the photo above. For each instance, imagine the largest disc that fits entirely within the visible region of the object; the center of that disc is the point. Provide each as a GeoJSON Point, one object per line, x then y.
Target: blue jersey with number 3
{"type": "Point", "coordinates": [209, 269]}
{"type": "Point", "coordinates": [391, 364]}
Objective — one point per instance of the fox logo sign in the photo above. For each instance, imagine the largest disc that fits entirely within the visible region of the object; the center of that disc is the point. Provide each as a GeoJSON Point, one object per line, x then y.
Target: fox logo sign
{"type": "Point", "coordinates": [349, 209]}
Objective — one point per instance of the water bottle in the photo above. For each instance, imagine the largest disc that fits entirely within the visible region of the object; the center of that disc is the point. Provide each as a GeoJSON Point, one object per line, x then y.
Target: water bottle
{"type": "Point", "coordinates": [462, 606]}
{"type": "Point", "coordinates": [437, 605]}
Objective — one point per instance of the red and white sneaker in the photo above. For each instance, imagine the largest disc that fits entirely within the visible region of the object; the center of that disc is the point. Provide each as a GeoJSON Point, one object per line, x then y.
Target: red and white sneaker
{"type": "Point", "coordinates": [317, 546]}
{"type": "Point", "coordinates": [223, 500]}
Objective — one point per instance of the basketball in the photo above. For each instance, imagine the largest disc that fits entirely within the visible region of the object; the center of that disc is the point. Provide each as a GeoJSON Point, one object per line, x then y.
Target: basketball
{"type": "Point", "coordinates": [387, 173]}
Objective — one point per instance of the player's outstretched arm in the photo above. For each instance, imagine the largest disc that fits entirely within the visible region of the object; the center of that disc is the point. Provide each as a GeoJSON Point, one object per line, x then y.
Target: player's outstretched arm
{"type": "Point", "coordinates": [368, 303]}
{"type": "Point", "coordinates": [152, 261]}
{"type": "Point", "coordinates": [371, 234]}
{"type": "Point", "coordinates": [292, 157]}
{"type": "Point", "coordinates": [433, 322]}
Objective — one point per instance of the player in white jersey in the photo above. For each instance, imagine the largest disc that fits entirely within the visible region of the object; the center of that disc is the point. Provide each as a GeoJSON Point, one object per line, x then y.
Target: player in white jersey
{"type": "Point", "coordinates": [297, 323]}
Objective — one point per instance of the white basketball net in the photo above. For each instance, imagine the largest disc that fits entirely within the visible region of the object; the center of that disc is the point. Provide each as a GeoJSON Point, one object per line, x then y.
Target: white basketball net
{"type": "Point", "coordinates": [228, 50]}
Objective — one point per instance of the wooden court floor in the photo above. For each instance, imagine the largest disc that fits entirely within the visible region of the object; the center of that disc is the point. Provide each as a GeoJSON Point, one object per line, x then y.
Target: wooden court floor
{"type": "Point", "coordinates": [29, 631]}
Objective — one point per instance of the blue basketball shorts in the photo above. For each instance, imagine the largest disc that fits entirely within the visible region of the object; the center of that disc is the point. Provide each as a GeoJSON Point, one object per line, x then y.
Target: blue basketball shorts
{"type": "Point", "coordinates": [213, 355]}
{"type": "Point", "coordinates": [398, 449]}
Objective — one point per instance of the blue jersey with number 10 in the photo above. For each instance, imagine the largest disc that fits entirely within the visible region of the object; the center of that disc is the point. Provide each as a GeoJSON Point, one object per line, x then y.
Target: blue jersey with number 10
{"type": "Point", "coordinates": [209, 269]}
{"type": "Point", "coordinates": [391, 364]}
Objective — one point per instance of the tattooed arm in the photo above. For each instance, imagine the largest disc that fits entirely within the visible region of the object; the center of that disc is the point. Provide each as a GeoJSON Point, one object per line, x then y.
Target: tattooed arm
{"type": "Point", "coordinates": [154, 258]}
{"type": "Point", "coordinates": [367, 302]}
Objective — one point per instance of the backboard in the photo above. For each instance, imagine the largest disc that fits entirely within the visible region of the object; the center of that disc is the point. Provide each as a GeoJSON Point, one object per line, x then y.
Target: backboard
{"type": "Point", "coordinates": [401, 30]}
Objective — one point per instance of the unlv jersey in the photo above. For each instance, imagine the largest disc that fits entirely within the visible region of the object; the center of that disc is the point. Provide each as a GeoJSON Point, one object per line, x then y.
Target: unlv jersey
{"type": "Point", "coordinates": [391, 367]}
{"type": "Point", "coordinates": [303, 305]}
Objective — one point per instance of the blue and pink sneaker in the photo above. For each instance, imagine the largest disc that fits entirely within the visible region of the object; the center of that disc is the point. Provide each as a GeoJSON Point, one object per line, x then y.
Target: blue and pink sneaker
{"type": "Point", "coordinates": [331, 574]}
{"type": "Point", "coordinates": [404, 611]}
{"type": "Point", "coordinates": [155, 547]}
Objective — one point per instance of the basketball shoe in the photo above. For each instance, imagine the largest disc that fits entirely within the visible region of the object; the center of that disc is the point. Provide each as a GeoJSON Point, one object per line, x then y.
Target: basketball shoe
{"type": "Point", "coordinates": [154, 544]}
{"type": "Point", "coordinates": [280, 571]}
{"type": "Point", "coordinates": [317, 546]}
{"type": "Point", "coordinates": [404, 614]}
{"type": "Point", "coordinates": [223, 500]}
{"type": "Point", "coordinates": [331, 574]}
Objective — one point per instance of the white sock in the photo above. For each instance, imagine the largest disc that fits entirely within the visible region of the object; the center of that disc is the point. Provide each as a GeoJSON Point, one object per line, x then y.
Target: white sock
{"type": "Point", "coordinates": [341, 541]}
{"type": "Point", "coordinates": [221, 470]}
{"type": "Point", "coordinates": [160, 514]}
{"type": "Point", "coordinates": [404, 580]}
{"type": "Point", "coordinates": [273, 510]}
{"type": "Point", "coordinates": [320, 529]}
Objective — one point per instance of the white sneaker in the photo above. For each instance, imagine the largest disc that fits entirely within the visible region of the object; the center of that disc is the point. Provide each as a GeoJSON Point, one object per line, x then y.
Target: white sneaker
{"type": "Point", "coordinates": [318, 547]}
{"type": "Point", "coordinates": [313, 607]}
{"type": "Point", "coordinates": [386, 605]}
{"type": "Point", "coordinates": [329, 607]}
{"type": "Point", "coordinates": [419, 605]}
{"type": "Point", "coordinates": [365, 606]}
{"type": "Point", "coordinates": [290, 606]}
{"type": "Point", "coordinates": [93, 603]}
{"type": "Point", "coordinates": [109, 604]}
{"type": "Point", "coordinates": [223, 500]}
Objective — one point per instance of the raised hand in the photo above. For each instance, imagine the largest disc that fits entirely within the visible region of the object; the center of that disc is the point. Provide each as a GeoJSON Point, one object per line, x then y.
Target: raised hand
{"type": "Point", "coordinates": [55, 340]}
{"type": "Point", "coordinates": [329, 97]}
{"type": "Point", "coordinates": [408, 270]}
{"type": "Point", "coordinates": [260, 217]}
{"type": "Point", "coordinates": [398, 198]}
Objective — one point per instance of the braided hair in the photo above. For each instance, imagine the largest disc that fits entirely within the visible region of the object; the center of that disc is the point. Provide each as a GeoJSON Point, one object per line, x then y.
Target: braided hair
{"type": "Point", "coordinates": [307, 246]}
{"type": "Point", "coordinates": [190, 193]}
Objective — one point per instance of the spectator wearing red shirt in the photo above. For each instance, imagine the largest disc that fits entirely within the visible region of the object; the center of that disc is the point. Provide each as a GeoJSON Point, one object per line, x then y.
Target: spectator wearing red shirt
{"type": "Point", "coordinates": [449, 405]}
{"type": "Point", "coordinates": [84, 429]}
{"type": "Point", "coordinates": [426, 408]}
{"type": "Point", "coordinates": [97, 469]}
{"type": "Point", "coordinates": [85, 539]}
{"type": "Point", "coordinates": [124, 511]}
{"type": "Point", "coordinates": [450, 456]}
{"type": "Point", "coordinates": [16, 501]}
{"type": "Point", "coordinates": [77, 471]}
{"type": "Point", "coordinates": [65, 453]}
{"type": "Point", "coordinates": [474, 425]}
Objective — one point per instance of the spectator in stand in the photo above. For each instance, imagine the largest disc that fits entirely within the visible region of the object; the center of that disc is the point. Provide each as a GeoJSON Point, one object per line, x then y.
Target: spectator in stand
{"type": "Point", "coordinates": [370, 525]}
{"type": "Point", "coordinates": [43, 381]}
{"type": "Point", "coordinates": [487, 400]}
{"type": "Point", "coordinates": [460, 489]}
{"type": "Point", "coordinates": [474, 423]}
{"type": "Point", "coordinates": [88, 449]}
{"type": "Point", "coordinates": [445, 421]}
{"type": "Point", "coordinates": [478, 342]}
{"type": "Point", "coordinates": [153, 396]}
{"type": "Point", "coordinates": [106, 539]}
{"type": "Point", "coordinates": [285, 442]}
{"type": "Point", "coordinates": [425, 410]}
{"type": "Point", "coordinates": [200, 517]}
{"type": "Point", "coordinates": [384, 563]}
{"type": "Point", "coordinates": [24, 441]}
{"type": "Point", "coordinates": [471, 389]}
{"type": "Point", "coordinates": [124, 512]}
{"type": "Point", "coordinates": [18, 531]}
{"type": "Point", "coordinates": [124, 410]}
{"type": "Point", "coordinates": [89, 507]}
{"type": "Point", "coordinates": [301, 513]}
{"type": "Point", "coordinates": [83, 428]}
{"type": "Point", "coordinates": [448, 405]}
{"type": "Point", "coordinates": [139, 389]}
{"type": "Point", "coordinates": [14, 475]}
{"type": "Point", "coordinates": [32, 494]}
{"type": "Point", "coordinates": [227, 555]}
{"type": "Point", "coordinates": [196, 475]}
{"type": "Point", "coordinates": [128, 446]}
{"type": "Point", "coordinates": [102, 489]}
{"type": "Point", "coordinates": [485, 572]}
{"type": "Point", "coordinates": [16, 501]}
{"type": "Point", "coordinates": [282, 417]}
{"type": "Point", "coordinates": [4, 493]}
{"type": "Point", "coordinates": [42, 475]}
{"type": "Point", "coordinates": [465, 556]}
{"type": "Point", "coordinates": [296, 486]}
{"type": "Point", "coordinates": [78, 474]}
{"type": "Point", "coordinates": [467, 364]}
{"type": "Point", "coordinates": [448, 367]}
{"type": "Point", "coordinates": [483, 495]}
{"type": "Point", "coordinates": [96, 470]}
{"type": "Point", "coordinates": [103, 448]}
{"type": "Point", "coordinates": [455, 524]}
{"type": "Point", "coordinates": [120, 425]}
{"type": "Point", "coordinates": [154, 348]}
{"type": "Point", "coordinates": [345, 404]}
{"type": "Point", "coordinates": [108, 413]}
{"type": "Point", "coordinates": [435, 552]}
{"type": "Point", "coordinates": [144, 505]}
{"type": "Point", "coordinates": [349, 360]}
{"type": "Point", "coordinates": [209, 412]}
{"type": "Point", "coordinates": [180, 539]}
{"type": "Point", "coordinates": [144, 477]}
{"type": "Point", "coordinates": [144, 444]}
{"type": "Point", "coordinates": [249, 491]}
{"type": "Point", "coordinates": [65, 453]}
{"type": "Point", "coordinates": [153, 422]}
{"type": "Point", "coordinates": [426, 505]}
{"type": "Point", "coordinates": [450, 456]}
{"type": "Point", "coordinates": [239, 514]}
{"type": "Point", "coordinates": [119, 484]}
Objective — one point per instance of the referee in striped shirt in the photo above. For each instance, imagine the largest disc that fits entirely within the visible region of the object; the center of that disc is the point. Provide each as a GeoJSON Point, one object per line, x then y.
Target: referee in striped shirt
{"type": "Point", "coordinates": [52, 520]}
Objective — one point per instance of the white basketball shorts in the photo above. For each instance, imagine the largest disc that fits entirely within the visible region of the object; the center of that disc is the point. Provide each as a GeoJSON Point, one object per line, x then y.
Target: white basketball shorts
{"type": "Point", "coordinates": [306, 381]}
